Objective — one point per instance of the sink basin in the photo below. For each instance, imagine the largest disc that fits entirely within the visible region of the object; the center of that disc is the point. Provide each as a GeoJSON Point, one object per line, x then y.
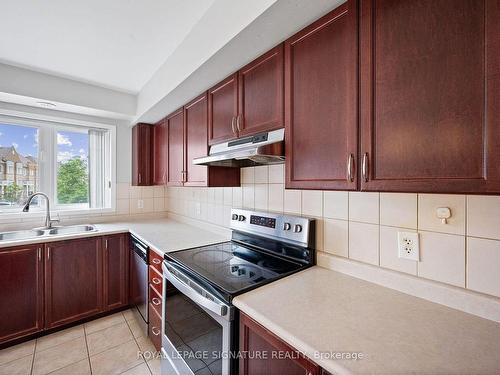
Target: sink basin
{"type": "Point", "coordinates": [27, 234]}
{"type": "Point", "coordinates": [72, 229]}
{"type": "Point", "coordinates": [20, 235]}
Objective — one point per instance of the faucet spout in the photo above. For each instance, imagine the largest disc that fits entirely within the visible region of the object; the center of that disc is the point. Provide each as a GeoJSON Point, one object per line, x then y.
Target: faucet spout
{"type": "Point", "coordinates": [48, 220]}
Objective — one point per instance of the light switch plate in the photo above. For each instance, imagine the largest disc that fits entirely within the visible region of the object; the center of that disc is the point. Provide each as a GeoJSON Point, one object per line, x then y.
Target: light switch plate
{"type": "Point", "coordinates": [408, 246]}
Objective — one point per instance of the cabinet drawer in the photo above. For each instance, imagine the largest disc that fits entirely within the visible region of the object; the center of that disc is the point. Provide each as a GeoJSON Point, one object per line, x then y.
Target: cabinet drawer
{"type": "Point", "coordinates": [155, 260]}
{"type": "Point", "coordinates": [156, 280]}
{"type": "Point", "coordinates": [155, 299]}
{"type": "Point", "coordinates": [154, 328]}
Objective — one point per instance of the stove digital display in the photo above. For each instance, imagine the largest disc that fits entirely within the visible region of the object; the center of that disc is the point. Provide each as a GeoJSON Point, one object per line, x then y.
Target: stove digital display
{"type": "Point", "coordinates": [263, 221]}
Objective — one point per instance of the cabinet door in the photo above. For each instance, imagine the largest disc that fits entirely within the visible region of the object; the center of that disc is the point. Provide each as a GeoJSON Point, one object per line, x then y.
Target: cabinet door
{"type": "Point", "coordinates": [222, 110]}
{"type": "Point", "coordinates": [21, 285]}
{"type": "Point", "coordinates": [321, 89]}
{"type": "Point", "coordinates": [255, 338]}
{"type": "Point", "coordinates": [142, 169]}
{"type": "Point", "coordinates": [260, 96]}
{"type": "Point", "coordinates": [430, 95]}
{"type": "Point", "coordinates": [160, 153]}
{"type": "Point", "coordinates": [115, 271]}
{"type": "Point", "coordinates": [196, 141]}
{"type": "Point", "coordinates": [175, 148]}
{"type": "Point", "coordinates": [73, 281]}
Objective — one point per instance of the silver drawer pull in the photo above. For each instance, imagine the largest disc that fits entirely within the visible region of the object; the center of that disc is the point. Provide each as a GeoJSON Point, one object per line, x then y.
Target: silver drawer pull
{"type": "Point", "coordinates": [156, 281]}
{"type": "Point", "coordinates": [156, 301]}
{"type": "Point", "coordinates": [156, 261]}
{"type": "Point", "coordinates": [155, 331]}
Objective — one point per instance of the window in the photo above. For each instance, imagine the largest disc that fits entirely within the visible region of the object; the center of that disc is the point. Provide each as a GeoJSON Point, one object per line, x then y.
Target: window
{"type": "Point", "coordinates": [71, 164]}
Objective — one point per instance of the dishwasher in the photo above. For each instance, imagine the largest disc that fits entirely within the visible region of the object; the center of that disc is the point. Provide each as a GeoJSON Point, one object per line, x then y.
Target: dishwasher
{"type": "Point", "coordinates": [139, 288]}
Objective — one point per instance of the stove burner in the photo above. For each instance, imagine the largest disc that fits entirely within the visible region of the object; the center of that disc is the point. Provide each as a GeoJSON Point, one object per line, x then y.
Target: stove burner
{"type": "Point", "coordinates": [212, 256]}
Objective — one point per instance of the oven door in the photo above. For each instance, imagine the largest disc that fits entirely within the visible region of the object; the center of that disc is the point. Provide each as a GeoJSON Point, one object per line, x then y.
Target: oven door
{"type": "Point", "coordinates": [197, 326]}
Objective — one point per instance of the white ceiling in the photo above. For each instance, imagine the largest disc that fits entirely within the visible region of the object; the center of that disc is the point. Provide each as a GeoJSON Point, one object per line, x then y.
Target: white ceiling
{"type": "Point", "coordinates": [116, 44]}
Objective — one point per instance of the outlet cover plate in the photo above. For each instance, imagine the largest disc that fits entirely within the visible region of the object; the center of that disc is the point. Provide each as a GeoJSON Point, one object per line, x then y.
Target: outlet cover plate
{"type": "Point", "coordinates": [408, 246]}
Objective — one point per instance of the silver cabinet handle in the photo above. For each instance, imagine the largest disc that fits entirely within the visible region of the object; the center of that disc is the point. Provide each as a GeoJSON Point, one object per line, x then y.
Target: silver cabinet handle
{"type": "Point", "coordinates": [350, 163]}
{"type": "Point", "coordinates": [232, 124]}
{"type": "Point", "coordinates": [140, 178]}
{"type": "Point", "coordinates": [156, 301]}
{"type": "Point", "coordinates": [48, 253]}
{"type": "Point", "coordinates": [156, 261]}
{"type": "Point", "coordinates": [155, 331]}
{"type": "Point", "coordinates": [106, 244]}
{"type": "Point", "coordinates": [39, 254]}
{"type": "Point", "coordinates": [238, 122]}
{"type": "Point", "coordinates": [365, 167]}
{"type": "Point", "coordinates": [156, 281]}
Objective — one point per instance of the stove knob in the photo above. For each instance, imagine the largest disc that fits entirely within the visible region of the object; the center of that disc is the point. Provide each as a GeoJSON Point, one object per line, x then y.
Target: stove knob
{"type": "Point", "coordinates": [297, 228]}
{"type": "Point", "coordinates": [234, 217]}
{"type": "Point", "coordinates": [287, 226]}
{"type": "Point", "coordinates": [241, 218]}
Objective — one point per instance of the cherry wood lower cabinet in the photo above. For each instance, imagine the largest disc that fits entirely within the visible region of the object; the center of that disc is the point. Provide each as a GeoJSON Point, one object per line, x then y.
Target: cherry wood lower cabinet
{"type": "Point", "coordinates": [73, 280]}
{"type": "Point", "coordinates": [116, 264]}
{"type": "Point", "coordinates": [255, 338]}
{"type": "Point", "coordinates": [21, 290]}
{"type": "Point", "coordinates": [321, 91]}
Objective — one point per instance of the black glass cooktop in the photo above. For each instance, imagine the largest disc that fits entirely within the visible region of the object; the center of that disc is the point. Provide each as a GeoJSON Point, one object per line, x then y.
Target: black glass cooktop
{"type": "Point", "coordinates": [233, 267]}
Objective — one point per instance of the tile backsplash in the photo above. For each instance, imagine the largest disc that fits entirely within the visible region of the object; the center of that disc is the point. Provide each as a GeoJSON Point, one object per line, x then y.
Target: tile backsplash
{"type": "Point", "coordinates": [363, 226]}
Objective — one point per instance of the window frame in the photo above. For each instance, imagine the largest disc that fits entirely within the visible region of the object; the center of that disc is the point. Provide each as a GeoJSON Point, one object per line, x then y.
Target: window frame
{"type": "Point", "coordinates": [47, 161]}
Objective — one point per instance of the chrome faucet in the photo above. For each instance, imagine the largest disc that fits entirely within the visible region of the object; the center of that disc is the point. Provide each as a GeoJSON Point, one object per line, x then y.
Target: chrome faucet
{"type": "Point", "coordinates": [48, 220]}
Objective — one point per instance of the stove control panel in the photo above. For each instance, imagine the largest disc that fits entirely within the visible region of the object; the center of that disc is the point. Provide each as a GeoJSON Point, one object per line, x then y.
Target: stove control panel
{"type": "Point", "coordinates": [283, 227]}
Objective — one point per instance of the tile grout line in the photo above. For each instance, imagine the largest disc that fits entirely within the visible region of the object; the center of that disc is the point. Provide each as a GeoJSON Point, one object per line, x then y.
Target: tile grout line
{"type": "Point", "coordinates": [87, 346]}
{"type": "Point", "coordinates": [33, 358]}
{"type": "Point", "coordinates": [135, 339]}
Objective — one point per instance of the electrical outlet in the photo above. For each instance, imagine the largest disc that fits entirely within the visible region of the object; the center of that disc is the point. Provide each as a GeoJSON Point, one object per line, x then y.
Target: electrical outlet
{"type": "Point", "coordinates": [140, 203]}
{"type": "Point", "coordinates": [408, 246]}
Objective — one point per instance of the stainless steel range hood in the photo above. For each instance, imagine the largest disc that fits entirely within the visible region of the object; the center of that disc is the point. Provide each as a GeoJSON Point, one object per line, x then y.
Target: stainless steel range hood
{"type": "Point", "coordinates": [261, 149]}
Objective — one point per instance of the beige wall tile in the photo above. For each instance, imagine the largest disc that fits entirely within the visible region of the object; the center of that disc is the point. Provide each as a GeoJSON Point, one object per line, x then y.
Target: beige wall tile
{"type": "Point", "coordinates": [228, 196]}
{"type": "Point", "coordinates": [237, 197]}
{"type": "Point", "coordinates": [336, 204]}
{"type": "Point", "coordinates": [248, 175]}
{"type": "Point", "coordinates": [442, 258]}
{"type": "Point", "coordinates": [364, 242]}
{"type": "Point", "coordinates": [389, 251]}
{"type": "Point", "coordinates": [483, 216]}
{"type": "Point", "coordinates": [312, 202]}
{"type": "Point", "coordinates": [261, 174]}
{"type": "Point", "coordinates": [158, 191]}
{"type": "Point", "coordinates": [135, 192]}
{"type": "Point", "coordinates": [336, 237]}
{"type": "Point", "coordinates": [122, 206]}
{"type": "Point", "coordinates": [277, 174]}
{"type": "Point", "coordinates": [320, 233]}
{"type": "Point", "coordinates": [148, 192]}
{"type": "Point", "coordinates": [398, 210]}
{"type": "Point", "coordinates": [483, 266]}
{"type": "Point", "coordinates": [134, 206]}
{"type": "Point", "coordinates": [148, 205]}
{"type": "Point", "coordinates": [364, 207]}
{"type": "Point", "coordinates": [261, 196]}
{"type": "Point", "coordinates": [158, 204]}
{"type": "Point", "coordinates": [276, 197]}
{"type": "Point", "coordinates": [211, 195]}
{"type": "Point", "coordinates": [293, 202]}
{"type": "Point", "coordinates": [248, 196]}
{"type": "Point", "coordinates": [428, 220]}
{"type": "Point", "coordinates": [122, 190]}
{"type": "Point", "coordinates": [219, 195]}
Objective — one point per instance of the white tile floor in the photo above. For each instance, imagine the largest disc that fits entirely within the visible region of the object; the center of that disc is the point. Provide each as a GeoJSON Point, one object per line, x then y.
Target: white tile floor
{"type": "Point", "coordinates": [106, 346]}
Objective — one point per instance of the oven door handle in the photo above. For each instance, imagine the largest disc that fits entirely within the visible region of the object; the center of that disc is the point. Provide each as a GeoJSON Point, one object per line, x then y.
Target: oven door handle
{"type": "Point", "coordinates": [216, 306]}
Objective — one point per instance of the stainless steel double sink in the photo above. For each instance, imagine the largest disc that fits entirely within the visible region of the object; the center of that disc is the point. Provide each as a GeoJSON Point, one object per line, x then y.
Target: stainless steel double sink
{"type": "Point", "coordinates": [46, 232]}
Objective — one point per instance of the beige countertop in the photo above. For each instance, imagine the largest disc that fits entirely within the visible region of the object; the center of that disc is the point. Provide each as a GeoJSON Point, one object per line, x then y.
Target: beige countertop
{"type": "Point", "coordinates": [319, 311]}
{"type": "Point", "coordinates": [163, 234]}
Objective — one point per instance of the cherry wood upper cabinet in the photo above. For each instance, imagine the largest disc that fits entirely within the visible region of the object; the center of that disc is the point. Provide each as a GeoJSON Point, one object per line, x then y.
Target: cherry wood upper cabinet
{"type": "Point", "coordinates": [175, 146]}
{"type": "Point", "coordinates": [430, 96]}
{"type": "Point", "coordinates": [21, 285]}
{"type": "Point", "coordinates": [73, 280]}
{"type": "Point", "coordinates": [196, 140]}
{"type": "Point", "coordinates": [160, 153]}
{"type": "Point", "coordinates": [142, 155]}
{"type": "Point", "coordinates": [255, 338]}
{"type": "Point", "coordinates": [222, 110]}
{"type": "Point", "coordinates": [260, 86]}
{"type": "Point", "coordinates": [321, 105]}
{"type": "Point", "coordinates": [115, 255]}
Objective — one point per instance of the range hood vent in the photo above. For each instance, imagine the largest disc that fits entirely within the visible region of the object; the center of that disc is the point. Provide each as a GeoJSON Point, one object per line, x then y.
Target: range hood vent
{"type": "Point", "coordinates": [261, 149]}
